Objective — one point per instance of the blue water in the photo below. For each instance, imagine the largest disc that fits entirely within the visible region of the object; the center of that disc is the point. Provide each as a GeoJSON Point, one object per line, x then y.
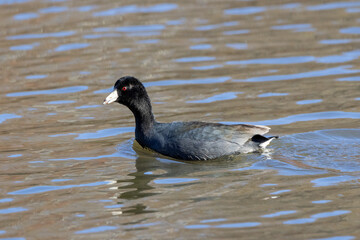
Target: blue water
{"type": "Point", "coordinates": [244, 10]}
{"type": "Point", "coordinates": [42, 189]}
{"type": "Point", "coordinates": [60, 102]}
{"type": "Point", "coordinates": [345, 69]}
{"type": "Point", "coordinates": [272, 94]}
{"type": "Point", "coordinates": [157, 8]}
{"type": "Point", "coordinates": [201, 47]}
{"type": "Point", "coordinates": [97, 229]}
{"type": "Point", "coordinates": [6, 116]}
{"type": "Point", "coordinates": [64, 90]}
{"type": "Point", "coordinates": [41, 35]}
{"type": "Point", "coordinates": [218, 97]}
{"type": "Point", "coordinates": [195, 59]}
{"type": "Point", "coordinates": [280, 213]}
{"type": "Point", "coordinates": [310, 101]}
{"type": "Point", "coordinates": [24, 47]}
{"type": "Point", "coordinates": [71, 46]}
{"type": "Point", "coordinates": [305, 117]}
{"type": "Point", "coordinates": [295, 27]}
{"type": "Point", "coordinates": [25, 16]}
{"type": "Point", "coordinates": [317, 216]}
{"type": "Point", "coordinates": [174, 180]}
{"type": "Point", "coordinates": [53, 9]}
{"type": "Point", "coordinates": [12, 210]}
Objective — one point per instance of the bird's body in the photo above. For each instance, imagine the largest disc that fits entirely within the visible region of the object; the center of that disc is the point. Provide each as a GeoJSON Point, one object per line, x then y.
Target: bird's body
{"type": "Point", "coordinates": [185, 140]}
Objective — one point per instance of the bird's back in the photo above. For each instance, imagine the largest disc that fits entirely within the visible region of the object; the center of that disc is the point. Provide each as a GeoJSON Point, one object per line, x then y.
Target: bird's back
{"type": "Point", "coordinates": [201, 141]}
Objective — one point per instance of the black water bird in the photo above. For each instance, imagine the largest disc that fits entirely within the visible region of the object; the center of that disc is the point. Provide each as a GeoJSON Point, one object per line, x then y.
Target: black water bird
{"type": "Point", "coordinates": [185, 140]}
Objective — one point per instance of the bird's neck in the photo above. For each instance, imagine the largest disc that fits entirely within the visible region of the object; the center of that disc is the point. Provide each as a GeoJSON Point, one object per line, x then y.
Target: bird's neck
{"type": "Point", "coordinates": [144, 118]}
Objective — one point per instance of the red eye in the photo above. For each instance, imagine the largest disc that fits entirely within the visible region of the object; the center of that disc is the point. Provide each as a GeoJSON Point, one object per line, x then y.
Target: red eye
{"type": "Point", "coordinates": [124, 89]}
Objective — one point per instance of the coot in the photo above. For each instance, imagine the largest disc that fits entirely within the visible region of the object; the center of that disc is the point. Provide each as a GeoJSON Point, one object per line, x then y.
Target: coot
{"type": "Point", "coordinates": [184, 140]}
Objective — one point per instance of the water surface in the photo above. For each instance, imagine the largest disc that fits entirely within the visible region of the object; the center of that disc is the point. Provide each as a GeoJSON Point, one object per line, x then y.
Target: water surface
{"type": "Point", "coordinates": [72, 170]}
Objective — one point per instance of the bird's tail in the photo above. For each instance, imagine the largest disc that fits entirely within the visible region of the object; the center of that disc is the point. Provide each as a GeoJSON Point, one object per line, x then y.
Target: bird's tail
{"type": "Point", "coordinates": [263, 141]}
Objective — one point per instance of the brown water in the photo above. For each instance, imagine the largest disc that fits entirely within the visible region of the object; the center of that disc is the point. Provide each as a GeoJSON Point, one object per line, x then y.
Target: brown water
{"type": "Point", "coordinates": [70, 169]}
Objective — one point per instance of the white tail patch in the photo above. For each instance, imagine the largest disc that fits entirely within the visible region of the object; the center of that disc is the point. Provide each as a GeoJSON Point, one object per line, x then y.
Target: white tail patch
{"type": "Point", "coordinates": [264, 144]}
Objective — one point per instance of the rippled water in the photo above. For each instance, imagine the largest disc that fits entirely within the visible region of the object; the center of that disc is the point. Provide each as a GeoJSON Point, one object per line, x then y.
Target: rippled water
{"type": "Point", "coordinates": [71, 170]}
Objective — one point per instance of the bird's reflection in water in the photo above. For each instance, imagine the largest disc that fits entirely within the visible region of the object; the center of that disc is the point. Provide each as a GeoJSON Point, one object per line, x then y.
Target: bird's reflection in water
{"type": "Point", "coordinates": [151, 166]}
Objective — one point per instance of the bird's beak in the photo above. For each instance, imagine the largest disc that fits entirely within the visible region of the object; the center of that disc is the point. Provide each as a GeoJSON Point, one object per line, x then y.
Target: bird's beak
{"type": "Point", "coordinates": [111, 98]}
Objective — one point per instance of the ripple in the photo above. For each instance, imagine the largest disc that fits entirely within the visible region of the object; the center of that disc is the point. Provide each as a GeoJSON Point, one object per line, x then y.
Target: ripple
{"type": "Point", "coordinates": [213, 220]}
{"type": "Point", "coordinates": [116, 154]}
{"type": "Point", "coordinates": [317, 73]}
{"type": "Point", "coordinates": [12, 210]}
{"type": "Point", "coordinates": [176, 22]}
{"type": "Point", "coordinates": [335, 150]}
{"type": "Point", "coordinates": [201, 47]}
{"type": "Point", "coordinates": [53, 9]}
{"type": "Point", "coordinates": [272, 94]}
{"type": "Point", "coordinates": [174, 180]}
{"type": "Point", "coordinates": [25, 16]}
{"type": "Point", "coordinates": [105, 133]}
{"type": "Point", "coordinates": [157, 8]}
{"type": "Point", "coordinates": [350, 30]}
{"type": "Point", "coordinates": [215, 26]}
{"type": "Point", "coordinates": [306, 117]}
{"type": "Point", "coordinates": [185, 82]}
{"type": "Point", "coordinates": [61, 180]}
{"type": "Point", "coordinates": [335, 41]}
{"type": "Point", "coordinates": [294, 27]}
{"type": "Point", "coordinates": [244, 10]}
{"type": "Point", "coordinates": [88, 106]}
{"type": "Point", "coordinates": [336, 238]}
{"type": "Point", "coordinates": [195, 59]}
{"type": "Point", "coordinates": [277, 214]}
{"type": "Point", "coordinates": [236, 32]}
{"type": "Point", "coordinates": [9, 2]}
{"type": "Point", "coordinates": [218, 97]}
{"type": "Point", "coordinates": [333, 5]}
{"type": "Point", "coordinates": [4, 200]}
{"type": "Point", "coordinates": [332, 181]}
{"type": "Point", "coordinates": [24, 47]}
{"type": "Point", "coordinates": [86, 8]}
{"type": "Point", "coordinates": [238, 225]}
{"type": "Point", "coordinates": [115, 206]}
{"type": "Point", "coordinates": [310, 101]}
{"type": "Point", "coordinates": [300, 221]}
{"type": "Point", "coordinates": [72, 89]}
{"type": "Point", "coordinates": [124, 50]}
{"type": "Point", "coordinates": [6, 116]}
{"type": "Point", "coordinates": [15, 155]}
{"type": "Point", "coordinates": [282, 60]}
{"type": "Point", "coordinates": [321, 201]}
{"type": "Point", "coordinates": [291, 5]}
{"type": "Point", "coordinates": [60, 102]}
{"type": "Point", "coordinates": [344, 57]}
{"type": "Point", "coordinates": [42, 189]}
{"type": "Point", "coordinates": [237, 46]}
{"type": "Point", "coordinates": [140, 28]}
{"type": "Point", "coordinates": [207, 67]}
{"type": "Point", "coordinates": [97, 229]}
{"type": "Point", "coordinates": [330, 214]}
{"type": "Point", "coordinates": [41, 35]}
{"type": "Point", "coordinates": [37, 76]}
{"type": "Point", "coordinates": [280, 192]}
{"type": "Point", "coordinates": [148, 41]}
{"type": "Point", "coordinates": [71, 46]}
{"type": "Point", "coordinates": [353, 78]}
{"type": "Point", "coordinates": [104, 35]}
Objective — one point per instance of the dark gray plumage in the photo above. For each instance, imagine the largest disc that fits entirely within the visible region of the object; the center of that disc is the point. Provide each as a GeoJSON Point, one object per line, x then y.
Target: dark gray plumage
{"type": "Point", "coordinates": [184, 140]}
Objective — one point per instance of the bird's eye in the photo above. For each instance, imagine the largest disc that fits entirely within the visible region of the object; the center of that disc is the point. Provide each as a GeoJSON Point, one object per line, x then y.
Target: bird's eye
{"type": "Point", "coordinates": [124, 89]}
